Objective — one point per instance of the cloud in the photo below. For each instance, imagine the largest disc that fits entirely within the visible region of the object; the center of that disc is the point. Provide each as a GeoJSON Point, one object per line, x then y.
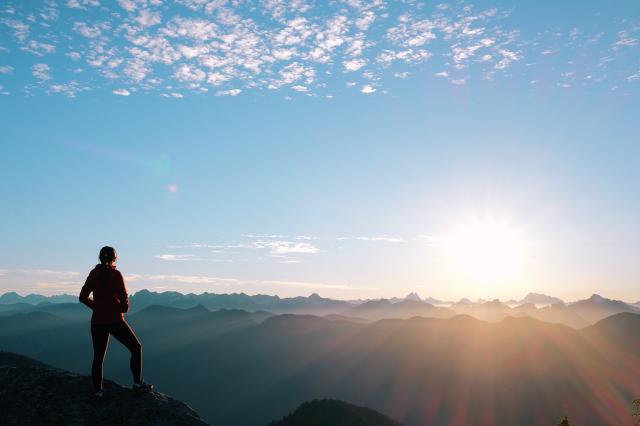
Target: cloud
{"type": "Point", "coordinates": [231, 92]}
{"type": "Point", "coordinates": [140, 281]}
{"type": "Point", "coordinates": [41, 72]}
{"type": "Point", "coordinates": [192, 245]}
{"type": "Point", "coordinates": [121, 92]}
{"type": "Point", "coordinates": [354, 64]}
{"type": "Point", "coordinates": [368, 89]}
{"type": "Point", "coordinates": [195, 46]}
{"type": "Point", "coordinates": [382, 238]}
{"type": "Point", "coordinates": [280, 248]}
{"type": "Point", "coordinates": [43, 281]}
{"type": "Point", "coordinates": [316, 285]}
{"type": "Point", "coordinates": [183, 279]}
{"type": "Point", "coordinates": [286, 247]}
{"type": "Point", "coordinates": [47, 272]}
{"type": "Point", "coordinates": [87, 30]}
{"type": "Point", "coordinates": [39, 48]}
{"type": "Point", "coordinates": [82, 4]}
{"type": "Point", "coordinates": [70, 89]}
{"type": "Point", "coordinates": [625, 40]}
{"type": "Point", "coordinates": [175, 257]}
{"type": "Point", "coordinates": [148, 18]}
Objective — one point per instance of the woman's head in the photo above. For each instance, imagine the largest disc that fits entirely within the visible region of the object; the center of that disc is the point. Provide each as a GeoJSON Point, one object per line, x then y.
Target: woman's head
{"type": "Point", "coordinates": [107, 255]}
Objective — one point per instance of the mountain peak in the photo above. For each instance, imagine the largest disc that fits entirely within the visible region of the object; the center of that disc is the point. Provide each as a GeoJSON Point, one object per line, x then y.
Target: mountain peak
{"type": "Point", "coordinates": [413, 296]}
{"type": "Point", "coordinates": [10, 297]}
{"type": "Point", "coordinates": [540, 299]}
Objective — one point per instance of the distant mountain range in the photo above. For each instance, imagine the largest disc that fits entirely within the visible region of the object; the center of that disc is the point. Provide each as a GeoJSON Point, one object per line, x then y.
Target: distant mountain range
{"type": "Point", "coordinates": [379, 309]}
{"type": "Point", "coordinates": [241, 368]}
{"type": "Point", "coordinates": [539, 306]}
{"type": "Point", "coordinates": [33, 299]}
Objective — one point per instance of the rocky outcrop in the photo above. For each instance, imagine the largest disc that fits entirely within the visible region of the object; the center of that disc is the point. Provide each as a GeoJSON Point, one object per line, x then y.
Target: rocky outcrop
{"type": "Point", "coordinates": [34, 394]}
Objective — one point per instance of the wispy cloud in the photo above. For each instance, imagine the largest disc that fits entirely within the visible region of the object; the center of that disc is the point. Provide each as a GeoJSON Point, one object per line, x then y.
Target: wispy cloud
{"type": "Point", "coordinates": [204, 281]}
{"type": "Point", "coordinates": [175, 257]}
{"type": "Point", "coordinates": [282, 248]}
{"type": "Point", "coordinates": [285, 247]}
{"type": "Point", "coordinates": [381, 238]}
{"type": "Point", "coordinates": [48, 281]}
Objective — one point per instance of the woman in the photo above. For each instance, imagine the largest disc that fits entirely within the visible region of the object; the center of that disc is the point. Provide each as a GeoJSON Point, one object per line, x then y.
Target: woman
{"type": "Point", "coordinates": [109, 304]}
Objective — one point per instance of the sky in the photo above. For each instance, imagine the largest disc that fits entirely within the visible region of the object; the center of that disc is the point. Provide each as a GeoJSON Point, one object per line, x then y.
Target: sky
{"type": "Point", "coordinates": [354, 149]}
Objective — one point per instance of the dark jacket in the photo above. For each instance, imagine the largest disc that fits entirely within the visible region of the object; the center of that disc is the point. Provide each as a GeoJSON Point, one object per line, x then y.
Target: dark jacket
{"type": "Point", "coordinates": [110, 299]}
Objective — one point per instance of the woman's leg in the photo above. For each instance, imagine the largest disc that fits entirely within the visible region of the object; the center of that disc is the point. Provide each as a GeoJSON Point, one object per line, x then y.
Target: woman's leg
{"type": "Point", "coordinates": [100, 339]}
{"type": "Point", "coordinates": [127, 337]}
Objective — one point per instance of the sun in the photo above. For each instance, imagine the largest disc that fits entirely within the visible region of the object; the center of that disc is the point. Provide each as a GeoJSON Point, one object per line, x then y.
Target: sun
{"type": "Point", "coordinates": [485, 250]}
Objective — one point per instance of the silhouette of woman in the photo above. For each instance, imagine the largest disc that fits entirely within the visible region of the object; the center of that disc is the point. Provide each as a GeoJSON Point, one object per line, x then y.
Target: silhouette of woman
{"type": "Point", "coordinates": [109, 304]}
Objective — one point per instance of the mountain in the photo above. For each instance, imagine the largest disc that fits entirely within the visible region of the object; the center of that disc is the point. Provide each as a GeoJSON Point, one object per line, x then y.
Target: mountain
{"type": "Point", "coordinates": [323, 412]}
{"type": "Point", "coordinates": [597, 307]}
{"type": "Point", "coordinates": [72, 311]}
{"type": "Point", "coordinates": [540, 299]}
{"type": "Point", "coordinates": [413, 296]}
{"type": "Point", "coordinates": [33, 299]}
{"type": "Point", "coordinates": [383, 309]}
{"type": "Point", "coordinates": [420, 370]}
{"type": "Point", "coordinates": [32, 393]}
{"type": "Point", "coordinates": [560, 313]}
{"type": "Point", "coordinates": [487, 311]}
{"type": "Point", "coordinates": [10, 297]}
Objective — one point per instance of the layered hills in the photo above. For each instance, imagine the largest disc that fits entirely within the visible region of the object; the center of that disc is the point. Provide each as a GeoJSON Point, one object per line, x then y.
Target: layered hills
{"type": "Point", "coordinates": [457, 370]}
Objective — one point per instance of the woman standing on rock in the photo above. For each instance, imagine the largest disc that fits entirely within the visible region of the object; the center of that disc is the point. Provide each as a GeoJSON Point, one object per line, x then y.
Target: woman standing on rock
{"type": "Point", "coordinates": [109, 304]}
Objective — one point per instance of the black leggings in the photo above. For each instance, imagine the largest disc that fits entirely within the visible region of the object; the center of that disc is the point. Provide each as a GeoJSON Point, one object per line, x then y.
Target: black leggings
{"type": "Point", "coordinates": [121, 331]}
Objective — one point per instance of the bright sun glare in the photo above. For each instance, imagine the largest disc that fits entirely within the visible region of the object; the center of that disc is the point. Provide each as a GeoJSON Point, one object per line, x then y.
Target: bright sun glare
{"type": "Point", "coordinates": [485, 251]}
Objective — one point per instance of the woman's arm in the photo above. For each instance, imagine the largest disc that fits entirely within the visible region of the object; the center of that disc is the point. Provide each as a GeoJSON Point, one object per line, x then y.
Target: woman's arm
{"type": "Point", "coordinates": [87, 288]}
{"type": "Point", "coordinates": [123, 295]}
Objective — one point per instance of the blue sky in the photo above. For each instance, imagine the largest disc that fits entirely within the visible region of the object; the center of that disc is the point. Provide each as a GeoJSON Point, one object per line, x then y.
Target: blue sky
{"type": "Point", "coordinates": [297, 147]}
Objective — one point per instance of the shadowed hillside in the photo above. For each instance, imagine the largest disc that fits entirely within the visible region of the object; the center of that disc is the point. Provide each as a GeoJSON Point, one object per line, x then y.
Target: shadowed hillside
{"type": "Point", "coordinates": [335, 413]}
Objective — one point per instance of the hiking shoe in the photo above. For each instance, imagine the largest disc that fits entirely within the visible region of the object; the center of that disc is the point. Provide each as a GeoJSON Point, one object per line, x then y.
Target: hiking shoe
{"type": "Point", "coordinates": [142, 386]}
